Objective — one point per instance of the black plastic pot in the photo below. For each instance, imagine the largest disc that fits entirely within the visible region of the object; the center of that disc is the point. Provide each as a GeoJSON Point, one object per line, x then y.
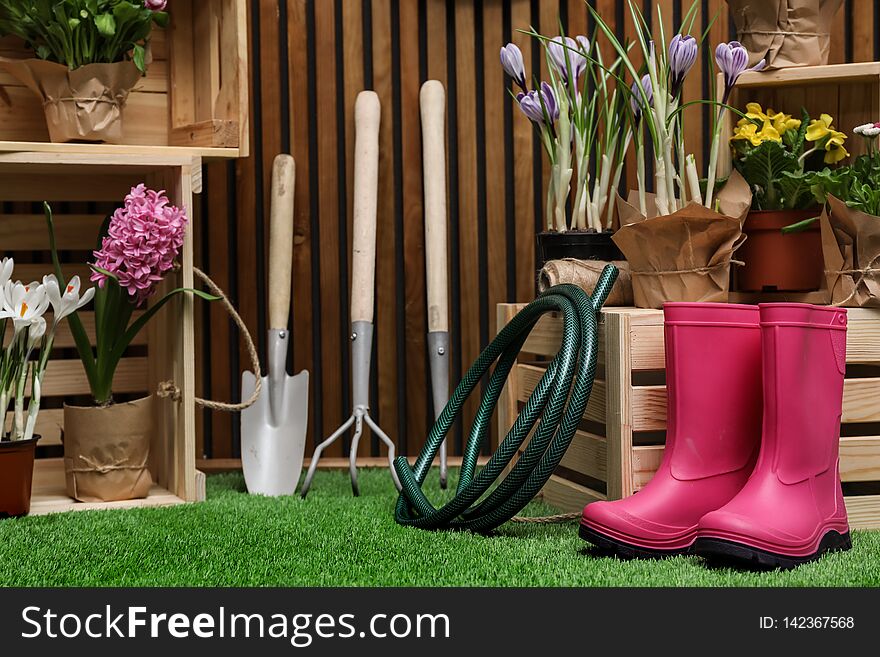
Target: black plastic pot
{"type": "Point", "coordinates": [577, 244]}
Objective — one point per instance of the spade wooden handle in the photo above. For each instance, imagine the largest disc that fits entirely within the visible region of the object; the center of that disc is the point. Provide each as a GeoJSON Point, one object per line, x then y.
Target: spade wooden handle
{"type": "Point", "coordinates": [281, 241]}
{"type": "Point", "coordinates": [433, 105]}
{"type": "Point", "coordinates": [367, 117]}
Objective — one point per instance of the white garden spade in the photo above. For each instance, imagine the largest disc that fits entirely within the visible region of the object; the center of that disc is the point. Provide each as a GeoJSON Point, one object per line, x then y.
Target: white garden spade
{"type": "Point", "coordinates": [273, 430]}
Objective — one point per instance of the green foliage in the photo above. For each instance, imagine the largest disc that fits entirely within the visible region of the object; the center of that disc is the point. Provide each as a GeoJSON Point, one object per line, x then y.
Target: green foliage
{"type": "Point", "coordinates": [857, 184]}
{"type": "Point", "coordinates": [777, 171]}
{"type": "Point", "coordinates": [80, 32]}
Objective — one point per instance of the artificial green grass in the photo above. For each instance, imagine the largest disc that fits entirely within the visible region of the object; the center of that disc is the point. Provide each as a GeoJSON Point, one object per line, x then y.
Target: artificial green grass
{"type": "Point", "coordinates": [332, 539]}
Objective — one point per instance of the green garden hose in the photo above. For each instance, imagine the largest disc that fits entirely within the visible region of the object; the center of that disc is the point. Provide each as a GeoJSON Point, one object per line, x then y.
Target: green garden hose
{"type": "Point", "coordinates": [558, 401]}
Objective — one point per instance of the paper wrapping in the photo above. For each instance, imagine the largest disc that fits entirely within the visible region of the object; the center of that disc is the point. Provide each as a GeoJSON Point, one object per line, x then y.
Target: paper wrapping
{"type": "Point", "coordinates": [785, 33]}
{"type": "Point", "coordinates": [81, 105]}
{"type": "Point", "coordinates": [684, 256]}
{"type": "Point", "coordinates": [107, 451]}
{"type": "Point", "coordinates": [851, 248]}
{"type": "Point", "coordinates": [585, 274]}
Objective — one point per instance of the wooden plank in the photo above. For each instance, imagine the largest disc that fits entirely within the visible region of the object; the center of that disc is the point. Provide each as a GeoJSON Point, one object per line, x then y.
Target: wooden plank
{"type": "Point", "coordinates": [389, 402]}
{"type": "Point", "coordinates": [568, 496]}
{"type": "Point", "coordinates": [49, 424]}
{"type": "Point", "coordinates": [49, 493]}
{"type": "Point", "coordinates": [863, 511]}
{"type": "Point", "coordinates": [469, 256]}
{"type": "Point", "coordinates": [645, 461]}
{"type": "Point", "coordinates": [587, 454]}
{"type": "Point", "coordinates": [507, 402]}
{"type": "Point", "coordinates": [66, 378]}
{"type": "Point", "coordinates": [64, 337]}
{"type": "Point", "coordinates": [28, 232]}
{"type": "Point", "coordinates": [854, 72]}
{"type": "Point", "coordinates": [524, 139]}
{"type": "Point", "coordinates": [303, 239]}
{"type": "Point", "coordinates": [860, 458]}
{"type": "Point", "coordinates": [529, 375]}
{"type": "Point", "coordinates": [621, 406]}
{"type": "Point", "coordinates": [415, 323]}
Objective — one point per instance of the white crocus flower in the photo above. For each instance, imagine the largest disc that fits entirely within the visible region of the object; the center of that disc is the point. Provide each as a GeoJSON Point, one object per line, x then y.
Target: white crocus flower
{"type": "Point", "coordinates": [23, 303]}
{"type": "Point", "coordinates": [6, 266]}
{"type": "Point", "coordinates": [70, 301]}
{"type": "Point", "coordinates": [36, 331]}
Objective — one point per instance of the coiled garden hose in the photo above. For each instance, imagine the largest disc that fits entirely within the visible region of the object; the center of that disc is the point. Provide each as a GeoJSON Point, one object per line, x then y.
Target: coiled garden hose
{"type": "Point", "coordinates": [558, 401]}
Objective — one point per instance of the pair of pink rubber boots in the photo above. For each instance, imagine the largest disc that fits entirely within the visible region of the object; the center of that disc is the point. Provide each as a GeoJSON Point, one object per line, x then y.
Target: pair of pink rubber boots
{"type": "Point", "coordinates": [750, 469]}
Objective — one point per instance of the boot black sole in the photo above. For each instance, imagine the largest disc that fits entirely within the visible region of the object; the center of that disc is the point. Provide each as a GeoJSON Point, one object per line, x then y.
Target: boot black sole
{"type": "Point", "coordinates": [612, 546]}
{"type": "Point", "coordinates": [738, 554]}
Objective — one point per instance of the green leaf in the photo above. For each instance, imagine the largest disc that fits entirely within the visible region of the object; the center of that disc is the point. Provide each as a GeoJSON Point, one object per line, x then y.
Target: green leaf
{"type": "Point", "coordinates": [161, 18]}
{"type": "Point", "coordinates": [139, 57]}
{"type": "Point", "coordinates": [795, 190]}
{"type": "Point", "coordinates": [106, 24]}
{"type": "Point", "coordinates": [44, 52]}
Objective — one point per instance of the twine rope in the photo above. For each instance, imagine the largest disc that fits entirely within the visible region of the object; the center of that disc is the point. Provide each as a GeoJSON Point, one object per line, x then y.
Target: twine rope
{"type": "Point", "coordinates": [862, 274]}
{"type": "Point", "coordinates": [170, 390]}
{"type": "Point", "coordinates": [695, 270]}
{"type": "Point", "coordinates": [783, 33]}
{"type": "Point", "coordinates": [104, 468]}
{"type": "Point", "coordinates": [547, 520]}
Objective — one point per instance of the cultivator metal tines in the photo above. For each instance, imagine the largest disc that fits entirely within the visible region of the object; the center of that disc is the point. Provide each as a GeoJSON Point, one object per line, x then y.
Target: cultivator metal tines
{"type": "Point", "coordinates": [361, 348]}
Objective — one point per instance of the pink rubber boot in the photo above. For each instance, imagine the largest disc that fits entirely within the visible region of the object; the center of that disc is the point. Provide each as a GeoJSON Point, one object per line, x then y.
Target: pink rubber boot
{"type": "Point", "coordinates": [713, 381]}
{"type": "Point", "coordinates": [791, 510]}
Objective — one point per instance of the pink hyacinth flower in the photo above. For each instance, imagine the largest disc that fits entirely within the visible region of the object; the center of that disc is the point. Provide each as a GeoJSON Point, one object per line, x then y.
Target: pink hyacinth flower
{"type": "Point", "coordinates": [144, 238]}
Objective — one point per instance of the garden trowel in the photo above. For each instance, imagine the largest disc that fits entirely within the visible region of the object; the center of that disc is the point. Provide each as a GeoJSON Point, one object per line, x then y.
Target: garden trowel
{"type": "Point", "coordinates": [273, 430]}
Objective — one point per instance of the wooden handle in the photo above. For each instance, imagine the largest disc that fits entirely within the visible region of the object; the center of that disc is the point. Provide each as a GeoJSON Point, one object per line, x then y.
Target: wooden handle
{"type": "Point", "coordinates": [281, 241]}
{"type": "Point", "coordinates": [367, 117]}
{"type": "Point", "coordinates": [433, 103]}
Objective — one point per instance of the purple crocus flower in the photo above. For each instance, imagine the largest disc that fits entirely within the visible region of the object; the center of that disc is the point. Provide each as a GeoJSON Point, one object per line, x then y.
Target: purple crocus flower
{"type": "Point", "coordinates": [566, 55]}
{"type": "Point", "coordinates": [733, 61]}
{"type": "Point", "coordinates": [512, 63]}
{"type": "Point", "coordinates": [535, 103]}
{"type": "Point", "coordinates": [682, 55]}
{"type": "Point", "coordinates": [636, 101]}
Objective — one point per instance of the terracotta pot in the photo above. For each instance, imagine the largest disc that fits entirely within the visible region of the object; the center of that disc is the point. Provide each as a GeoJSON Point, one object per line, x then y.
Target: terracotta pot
{"type": "Point", "coordinates": [107, 451]}
{"type": "Point", "coordinates": [16, 476]}
{"type": "Point", "coordinates": [775, 260]}
{"type": "Point", "coordinates": [577, 244]}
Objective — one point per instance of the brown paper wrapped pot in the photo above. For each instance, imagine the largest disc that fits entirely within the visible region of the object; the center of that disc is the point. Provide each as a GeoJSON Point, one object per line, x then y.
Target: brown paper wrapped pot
{"type": "Point", "coordinates": [785, 33]}
{"type": "Point", "coordinates": [686, 255]}
{"type": "Point", "coordinates": [851, 248]}
{"type": "Point", "coordinates": [85, 104]}
{"type": "Point", "coordinates": [107, 451]}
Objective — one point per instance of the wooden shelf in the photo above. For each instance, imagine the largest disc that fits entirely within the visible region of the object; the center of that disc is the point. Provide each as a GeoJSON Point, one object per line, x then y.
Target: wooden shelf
{"type": "Point", "coordinates": [49, 495]}
{"type": "Point", "coordinates": [800, 75]}
{"type": "Point", "coordinates": [150, 153]}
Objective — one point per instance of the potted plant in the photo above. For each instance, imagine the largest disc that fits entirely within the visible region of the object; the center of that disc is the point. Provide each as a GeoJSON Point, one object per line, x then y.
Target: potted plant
{"type": "Point", "coordinates": [107, 444]}
{"type": "Point", "coordinates": [680, 239]}
{"type": "Point", "coordinates": [850, 224]}
{"type": "Point", "coordinates": [776, 154]}
{"type": "Point", "coordinates": [89, 56]}
{"type": "Point", "coordinates": [585, 135]}
{"type": "Point", "coordinates": [23, 358]}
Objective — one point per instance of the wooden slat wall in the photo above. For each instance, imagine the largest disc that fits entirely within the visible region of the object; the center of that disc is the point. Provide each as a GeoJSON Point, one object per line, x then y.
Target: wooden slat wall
{"type": "Point", "coordinates": [310, 58]}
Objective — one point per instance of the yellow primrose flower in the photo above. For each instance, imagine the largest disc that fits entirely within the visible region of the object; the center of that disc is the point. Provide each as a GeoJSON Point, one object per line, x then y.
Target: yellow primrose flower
{"type": "Point", "coordinates": [834, 147]}
{"type": "Point", "coordinates": [754, 111]}
{"type": "Point", "coordinates": [783, 122]}
{"type": "Point", "coordinates": [748, 131]}
{"type": "Point", "coordinates": [820, 127]}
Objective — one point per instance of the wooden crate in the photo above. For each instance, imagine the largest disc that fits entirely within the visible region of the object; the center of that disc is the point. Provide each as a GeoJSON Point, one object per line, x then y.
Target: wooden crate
{"type": "Point", "coordinates": [850, 93]}
{"type": "Point", "coordinates": [193, 99]}
{"type": "Point", "coordinates": [620, 443]}
{"type": "Point", "coordinates": [75, 184]}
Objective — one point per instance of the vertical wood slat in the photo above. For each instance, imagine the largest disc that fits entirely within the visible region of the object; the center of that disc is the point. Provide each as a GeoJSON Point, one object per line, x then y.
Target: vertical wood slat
{"type": "Point", "coordinates": [317, 322]}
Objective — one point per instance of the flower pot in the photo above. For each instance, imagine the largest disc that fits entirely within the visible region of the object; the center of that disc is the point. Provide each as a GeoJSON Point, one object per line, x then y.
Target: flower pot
{"type": "Point", "coordinates": [107, 451]}
{"type": "Point", "coordinates": [84, 104]}
{"type": "Point", "coordinates": [577, 244]}
{"type": "Point", "coordinates": [16, 476]}
{"type": "Point", "coordinates": [789, 262]}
